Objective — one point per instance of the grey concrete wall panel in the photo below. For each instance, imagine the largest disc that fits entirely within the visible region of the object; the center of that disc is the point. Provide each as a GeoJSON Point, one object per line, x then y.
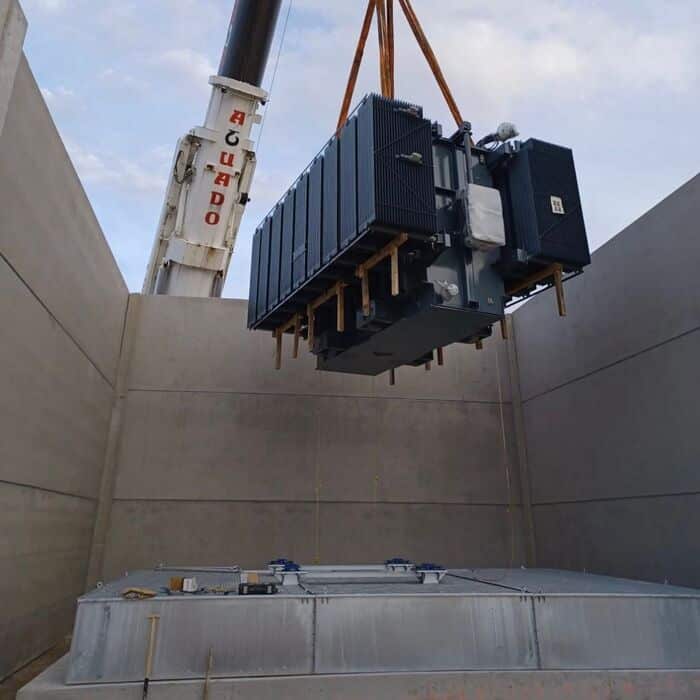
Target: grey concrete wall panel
{"type": "Point", "coordinates": [646, 538]}
{"type": "Point", "coordinates": [610, 403]}
{"type": "Point", "coordinates": [268, 636]}
{"type": "Point", "coordinates": [206, 533]}
{"type": "Point", "coordinates": [504, 685]}
{"type": "Point", "coordinates": [257, 447]}
{"type": "Point", "coordinates": [13, 27]}
{"type": "Point", "coordinates": [626, 431]}
{"type": "Point", "coordinates": [415, 633]}
{"type": "Point", "coordinates": [147, 532]}
{"type": "Point", "coordinates": [635, 295]}
{"type": "Point", "coordinates": [62, 304]}
{"type": "Point", "coordinates": [294, 460]}
{"type": "Point", "coordinates": [55, 405]}
{"type": "Point", "coordinates": [242, 361]}
{"type": "Point", "coordinates": [452, 535]}
{"type": "Point", "coordinates": [44, 539]}
{"type": "Point", "coordinates": [49, 233]}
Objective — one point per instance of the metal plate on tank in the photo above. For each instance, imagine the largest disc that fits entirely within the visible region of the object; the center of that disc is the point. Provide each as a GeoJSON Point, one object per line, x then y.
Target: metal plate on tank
{"type": "Point", "coordinates": [620, 631]}
{"type": "Point", "coordinates": [361, 634]}
{"type": "Point", "coordinates": [249, 636]}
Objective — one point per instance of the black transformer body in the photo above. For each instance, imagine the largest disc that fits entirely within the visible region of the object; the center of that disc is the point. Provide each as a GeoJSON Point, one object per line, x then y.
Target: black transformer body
{"type": "Point", "coordinates": [467, 222]}
{"type": "Point", "coordinates": [542, 208]}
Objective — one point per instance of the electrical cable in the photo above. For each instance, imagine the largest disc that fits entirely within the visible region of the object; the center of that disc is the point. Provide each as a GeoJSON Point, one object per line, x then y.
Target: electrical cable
{"type": "Point", "coordinates": [274, 72]}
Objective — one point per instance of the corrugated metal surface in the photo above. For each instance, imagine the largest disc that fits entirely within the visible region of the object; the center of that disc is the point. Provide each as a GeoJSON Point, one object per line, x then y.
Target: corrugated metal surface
{"type": "Point", "coordinates": [348, 182]}
{"type": "Point", "coordinates": [314, 220]}
{"type": "Point", "coordinates": [330, 201]}
{"type": "Point", "coordinates": [263, 305]}
{"type": "Point", "coordinates": [621, 631]}
{"type": "Point", "coordinates": [287, 247]}
{"type": "Point", "coordinates": [300, 211]}
{"type": "Point", "coordinates": [474, 619]}
{"type": "Point", "coordinates": [376, 174]}
{"type": "Point", "coordinates": [404, 187]}
{"type": "Point", "coordinates": [272, 636]}
{"type": "Point", "coordinates": [273, 282]}
{"type": "Point", "coordinates": [254, 275]}
{"type": "Point", "coordinates": [410, 633]}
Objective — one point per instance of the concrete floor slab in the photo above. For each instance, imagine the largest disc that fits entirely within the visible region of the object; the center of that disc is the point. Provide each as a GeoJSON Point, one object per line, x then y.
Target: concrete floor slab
{"type": "Point", "coordinates": [504, 685]}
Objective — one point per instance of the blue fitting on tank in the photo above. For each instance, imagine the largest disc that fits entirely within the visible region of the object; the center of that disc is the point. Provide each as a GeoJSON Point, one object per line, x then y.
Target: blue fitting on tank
{"type": "Point", "coordinates": [397, 561]}
{"type": "Point", "coordinates": [427, 566]}
{"type": "Point", "coordinates": [292, 566]}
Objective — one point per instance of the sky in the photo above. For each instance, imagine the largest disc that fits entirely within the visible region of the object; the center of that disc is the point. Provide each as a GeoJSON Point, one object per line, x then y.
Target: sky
{"type": "Point", "coordinates": [618, 81]}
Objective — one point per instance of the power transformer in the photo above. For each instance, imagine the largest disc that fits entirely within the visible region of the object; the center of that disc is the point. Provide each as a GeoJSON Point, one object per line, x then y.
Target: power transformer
{"type": "Point", "coordinates": [397, 241]}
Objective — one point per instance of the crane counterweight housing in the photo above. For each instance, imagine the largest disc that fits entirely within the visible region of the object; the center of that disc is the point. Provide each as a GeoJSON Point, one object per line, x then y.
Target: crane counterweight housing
{"type": "Point", "coordinates": [397, 241]}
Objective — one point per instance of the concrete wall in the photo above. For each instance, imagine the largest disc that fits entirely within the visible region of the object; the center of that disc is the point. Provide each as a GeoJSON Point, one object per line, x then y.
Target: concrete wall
{"type": "Point", "coordinates": [62, 303]}
{"type": "Point", "coordinates": [611, 404]}
{"type": "Point", "coordinates": [222, 459]}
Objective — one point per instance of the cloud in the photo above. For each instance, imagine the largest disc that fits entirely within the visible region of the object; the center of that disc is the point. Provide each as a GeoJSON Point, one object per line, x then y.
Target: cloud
{"type": "Point", "coordinates": [143, 177]}
{"type": "Point", "coordinates": [49, 6]}
{"type": "Point", "coordinates": [186, 65]}
{"type": "Point", "coordinates": [58, 95]}
{"type": "Point", "coordinates": [124, 80]}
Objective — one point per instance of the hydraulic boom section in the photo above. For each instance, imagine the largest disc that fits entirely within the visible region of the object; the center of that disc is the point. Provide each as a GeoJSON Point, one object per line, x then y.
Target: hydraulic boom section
{"type": "Point", "coordinates": [214, 165]}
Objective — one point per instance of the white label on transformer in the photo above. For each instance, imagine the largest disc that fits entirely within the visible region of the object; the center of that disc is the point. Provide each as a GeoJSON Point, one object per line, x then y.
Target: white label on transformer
{"type": "Point", "coordinates": [557, 205]}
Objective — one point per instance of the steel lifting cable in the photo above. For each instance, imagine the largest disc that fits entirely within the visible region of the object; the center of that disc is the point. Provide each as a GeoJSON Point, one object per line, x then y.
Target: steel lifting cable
{"type": "Point", "coordinates": [274, 72]}
{"type": "Point", "coordinates": [357, 61]}
{"type": "Point", "coordinates": [429, 54]}
{"type": "Point", "coordinates": [385, 28]}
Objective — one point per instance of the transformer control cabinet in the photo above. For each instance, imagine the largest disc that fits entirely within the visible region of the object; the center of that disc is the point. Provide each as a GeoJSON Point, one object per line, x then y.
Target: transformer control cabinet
{"type": "Point", "coordinates": [397, 241]}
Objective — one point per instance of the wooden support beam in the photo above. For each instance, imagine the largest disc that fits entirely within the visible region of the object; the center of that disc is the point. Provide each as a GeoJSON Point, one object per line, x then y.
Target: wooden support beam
{"type": "Point", "coordinates": [338, 291]}
{"type": "Point", "coordinates": [555, 272]}
{"type": "Point", "coordinates": [382, 253]}
{"type": "Point", "coordinates": [392, 377]}
{"type": "Point", "coordinates": [479, 344]}
{"type": "Point", "coordinates": [533, 280]}
{"type": "Point", "coordinates": [297, 333]}
{"type": "Point", "coordinates": [278, 349]}
{"type": "Point", "coordinates": [559, 286]}
{"type": "Point", "coordinates": [441, 356]}
{"type": "Point", "coordinates": [366, 301]}
{"type": "Point", "coordinates": [391, 249]}
{"type": "Point", "coordinates": [340, 307]}
{"type": "Point", "coordinates": [310, 318]}
{"type": "Point", "coordinates": [395, 288]}
{"type": "Point", "coordinates": [504, 329]}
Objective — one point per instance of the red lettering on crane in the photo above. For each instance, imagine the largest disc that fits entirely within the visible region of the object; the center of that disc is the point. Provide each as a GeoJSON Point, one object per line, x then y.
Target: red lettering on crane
{"type": "Point", "coordinates": [238, 117]}
{"type": "Point", "coordinates": [217, 199]}
{"type": "Point", "coordinates": [227, 158]}
{"type": "Point", "coordinates": [212, 218]}
{"type": "Point", "coordinates": [223, 179]}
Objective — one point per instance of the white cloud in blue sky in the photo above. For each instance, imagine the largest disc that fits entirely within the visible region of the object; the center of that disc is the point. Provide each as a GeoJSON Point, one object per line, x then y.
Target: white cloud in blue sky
{"type": "Point", "coordinates": [616, 80]}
